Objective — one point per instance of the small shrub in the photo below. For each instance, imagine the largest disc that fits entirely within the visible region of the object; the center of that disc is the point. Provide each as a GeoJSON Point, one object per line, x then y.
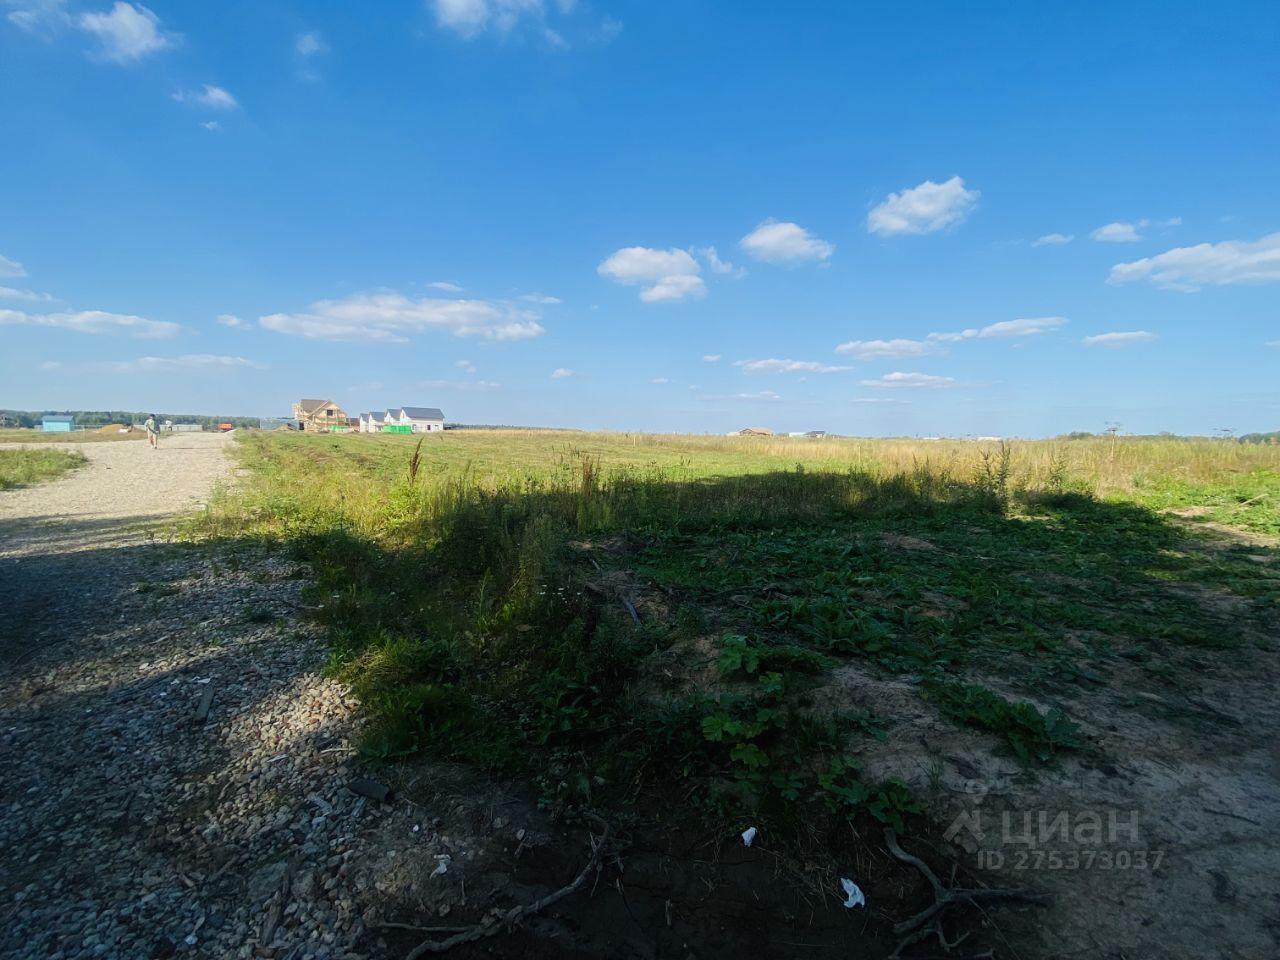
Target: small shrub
{"type": "Point", "coordinates": [1028, 732]}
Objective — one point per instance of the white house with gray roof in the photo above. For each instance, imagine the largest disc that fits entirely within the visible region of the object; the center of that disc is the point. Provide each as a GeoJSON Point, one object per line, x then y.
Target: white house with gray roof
{"type": "Point", "coordinates": [421, 419]}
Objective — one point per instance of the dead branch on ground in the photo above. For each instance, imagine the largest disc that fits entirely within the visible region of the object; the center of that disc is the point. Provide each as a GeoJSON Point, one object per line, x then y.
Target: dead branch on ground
{"type": "Point", "coordinates": [928, 922]}
{"type": "Point", "coordinates": [494, 923]}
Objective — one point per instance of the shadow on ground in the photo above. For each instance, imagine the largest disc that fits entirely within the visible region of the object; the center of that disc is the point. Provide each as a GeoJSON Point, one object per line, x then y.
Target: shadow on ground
{"type": "Point", "coordinates": [1072, 597]}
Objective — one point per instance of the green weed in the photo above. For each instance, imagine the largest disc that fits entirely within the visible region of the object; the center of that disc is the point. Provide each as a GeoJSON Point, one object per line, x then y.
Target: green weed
{"type": "Point", "coordinates": [21, 468]}
{"type": "Point", "coordinates": [1028, 732]}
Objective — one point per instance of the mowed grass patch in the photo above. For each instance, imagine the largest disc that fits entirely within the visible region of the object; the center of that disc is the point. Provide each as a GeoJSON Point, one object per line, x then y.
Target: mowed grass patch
{"type": "Point", "coordinates": [21, 468]}
{"type": "Point", "coordinates": [638, 619]}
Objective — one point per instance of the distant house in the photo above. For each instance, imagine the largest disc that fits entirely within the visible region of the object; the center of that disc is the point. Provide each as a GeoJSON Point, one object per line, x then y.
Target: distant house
{"type": "Point", "coordinates": [367, 424]}
{"type": "Point", "coordinates": [58, 424]}
{"type": "Point", "coordinates": [420, 419]}
{"type": "Point", "coordinates": [755, 432]}
{"type": "Point", "coordinates": [355, 423]}
{"type": "Point", "coordinates": [320, 416]}
{"type": "Point", "coordinates": [391, 423]}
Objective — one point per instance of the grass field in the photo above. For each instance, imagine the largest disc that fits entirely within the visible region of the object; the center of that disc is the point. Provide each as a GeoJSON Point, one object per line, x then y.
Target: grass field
{"type": "Point", "coordinates": [74, 436]}
{"type": "Point", "coordinates": [21, 468]}
{"type": "Point", "coordinates": [821, 638]}
{"type": "Point", "coordinates": [628, 618]}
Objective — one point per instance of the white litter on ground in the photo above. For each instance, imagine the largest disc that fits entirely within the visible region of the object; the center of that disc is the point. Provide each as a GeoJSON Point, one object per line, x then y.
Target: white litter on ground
{"type": "Point", "coordinates": [853, 894]}
{"type": "Point", "coordinates": [748, 835]}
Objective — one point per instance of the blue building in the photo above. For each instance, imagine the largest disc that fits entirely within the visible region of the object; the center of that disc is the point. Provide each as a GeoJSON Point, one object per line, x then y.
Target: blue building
{"type": "Point", "coordinates": [58, 424]}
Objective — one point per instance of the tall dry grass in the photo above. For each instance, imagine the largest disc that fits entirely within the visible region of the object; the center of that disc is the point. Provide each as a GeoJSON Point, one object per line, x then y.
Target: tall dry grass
{"type": "Point", "coordinates": [362, 481]}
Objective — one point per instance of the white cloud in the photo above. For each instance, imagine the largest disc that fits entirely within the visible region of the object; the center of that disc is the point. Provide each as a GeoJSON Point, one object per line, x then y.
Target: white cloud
{"type": "Point", "coordinates": [901, 347]}
{"type": "Point", "coordinates": [1119, 232]}
{"type": "Point", "coordinates": [467, 17]}
{"type": "Point", "coordinates": [470, 18]}
{"type": "Point", "coordinates": [716, 264]}
{"type": "Point", "coordinates": [231, 320]}
{"type": "Point", "coordinates": [1119, 339]}
{"type": "Point", "coordinates": [541, 298]}
{"type": "Point", "coordinates": [465, 365]}
{"type": "Point", "coordinates": [563, 373]}
{"type": "Point", "coordinates": [886, 349]}
{"type": "Point", "coordinates": [211, 125]}
{"type": "Point", "coordinates": [1053, 240]}
{"type": "Point", "coordinates": [190, 361]}
{"type": "Point", "coordinates": [460, 384]}
{"type": "Point", "coordinates": [11, 268]}
{"type": "Point", "coordinates": [94, 321]}
{"type": "Point", "coordinates": [926, 208]}
{"type": "Point", "coordinates": [777, 242]}
{"type": "Point", "coordinates": [389, 317]}
{"type": "Point", "coordinates": [1025, 327]}
{"type": "Point", "coordinates": [1273, 343]}
{"type": "Point", "coordinates": [1189, 268]}
{"type": "Point", "coordinates": [446, 286]}
{"type": "Point", "coordinates": [310, 44]}
{"type": "Point", "coordinates": [666, 275]}
{"type": "Point", "coordinates": [762, 396]}
{"type": "Point", "coordinates": [878, 400]}
{"type": "Point", "coordinates": [1123, 231]}
{"type": "Point", "coordinates": [38, 16]}
{"type": "Point", "coordinates": [660, 380]}
{"type": "Point", "coordinates": [711, 357]}
{"type": "Point", "coordinates": [13, 293]}
{"type": "Point", "coordinates": [787, 366]}
{"type": "Point", "coordinates": [51, 365]}
{"type": "Point", "coordinates": [215, 98]}
{"type": "Point", "coordinates": [1022, 328]}
{"type": "Point", "coordinates": [911, 380]}
{"type": "Point", "coordinates": [674, 289]}
{"type": "Point", "coordinates": [127, 33]}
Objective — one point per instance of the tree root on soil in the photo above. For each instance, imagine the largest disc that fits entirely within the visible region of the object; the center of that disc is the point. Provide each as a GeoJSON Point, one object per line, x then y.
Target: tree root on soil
{"type": "Point", "coordinates": [495, 923]}
{"type": "Point", "coordinates": [928, 922]}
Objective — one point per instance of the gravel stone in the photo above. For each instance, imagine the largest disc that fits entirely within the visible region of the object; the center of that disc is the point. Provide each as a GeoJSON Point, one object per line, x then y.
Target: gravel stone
{"type": "Point", "coordinates": [129, 828]}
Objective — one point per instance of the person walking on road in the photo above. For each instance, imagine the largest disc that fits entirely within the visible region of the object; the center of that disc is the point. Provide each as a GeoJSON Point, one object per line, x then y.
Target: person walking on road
{"type": "Point", "coordinates": [153, 432]}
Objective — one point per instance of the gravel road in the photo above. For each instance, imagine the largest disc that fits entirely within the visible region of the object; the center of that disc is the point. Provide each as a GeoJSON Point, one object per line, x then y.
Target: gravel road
{"type": "Point", "coordinates": [123, 486]}
{"type": "Point", "coordinates": [177, 772]}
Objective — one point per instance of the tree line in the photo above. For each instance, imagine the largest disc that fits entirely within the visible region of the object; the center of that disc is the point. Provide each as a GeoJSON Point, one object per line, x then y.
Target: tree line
{"type": "Point", "coordinates": [100, 418]}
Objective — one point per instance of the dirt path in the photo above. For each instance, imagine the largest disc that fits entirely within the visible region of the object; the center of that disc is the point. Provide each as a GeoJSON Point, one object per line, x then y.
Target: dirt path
{"type": "Point", "coordinates": [134, 822]}
{"type": "Point", "coordinates": [124, 485]}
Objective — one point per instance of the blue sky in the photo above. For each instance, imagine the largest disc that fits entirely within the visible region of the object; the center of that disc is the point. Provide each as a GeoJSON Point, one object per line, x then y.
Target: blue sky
{"type": "Point", "coordinates": [908, 218]}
